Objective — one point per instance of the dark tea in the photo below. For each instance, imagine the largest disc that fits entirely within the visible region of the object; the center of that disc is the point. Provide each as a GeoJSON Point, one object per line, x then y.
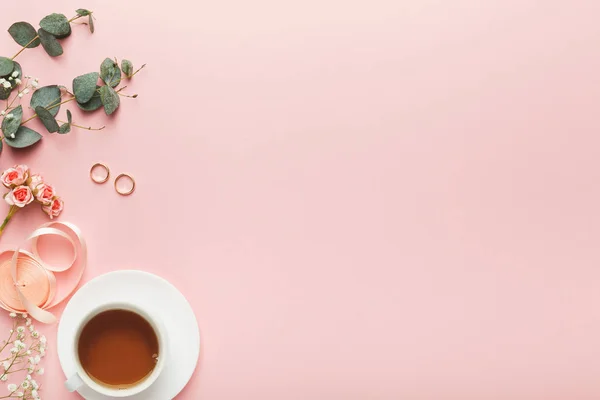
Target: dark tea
{"type": "Point", "coordinates": [118, 348]}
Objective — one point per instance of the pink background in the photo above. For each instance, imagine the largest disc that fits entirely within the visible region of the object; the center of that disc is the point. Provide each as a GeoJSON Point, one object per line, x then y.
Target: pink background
{"type": "Point", "coordinates": [361, 199]}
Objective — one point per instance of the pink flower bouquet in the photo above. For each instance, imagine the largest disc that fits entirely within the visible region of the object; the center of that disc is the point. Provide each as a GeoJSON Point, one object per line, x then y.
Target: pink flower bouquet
{"type": "Point", "coordinates": [26, 188]}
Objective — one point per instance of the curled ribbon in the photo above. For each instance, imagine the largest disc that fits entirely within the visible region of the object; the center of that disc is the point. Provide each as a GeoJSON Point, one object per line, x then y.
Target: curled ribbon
{"type": "Point", "coordinates": [28, 283]}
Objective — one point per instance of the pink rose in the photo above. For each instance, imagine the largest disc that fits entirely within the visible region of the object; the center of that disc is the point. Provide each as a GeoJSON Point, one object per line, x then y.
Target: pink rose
{"type": "Point", "coordinates": [35, 180]}
{"type": "Point", "coordinates": [19, 196]}
{"type": "Point", "coordinates": [54, 208]}
{"type": "Point", "coordinates": [44, 193]}
{"type": "Point", "coordinates": [15, 176]}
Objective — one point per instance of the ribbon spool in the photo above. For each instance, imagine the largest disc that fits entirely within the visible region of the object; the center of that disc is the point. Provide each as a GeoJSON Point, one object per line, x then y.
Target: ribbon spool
{"type": "Point", "coordinates": [28, 283]}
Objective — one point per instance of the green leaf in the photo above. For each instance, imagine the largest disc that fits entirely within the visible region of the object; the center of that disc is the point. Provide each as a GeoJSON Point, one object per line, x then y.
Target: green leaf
{"type": "Point", "coordinates": [6, 66]}
{"type": "Point", "coordinates": [84, 86]}
{"type": "Point", "coordinates": [110, 72]}
{"type": "Point", "coordinates": [56, 24]}
{"type": "Point", "coordinates": [110, 99]}
{"type": "Point", "coordinates": [69, 116]}
{"type": "Point", "coordinates": [64, 128]}
{"type": "Point", "coordinates": [11, 124]}
{"type": "Point", "coordinates": [50, 44]}
{"type": "Point", "coordinates": [4, 92]}
{"type": "Point", "coordinates": [24, 137]}
{"type": "Point", "coordinates": [83, 12]}
{"type": "Point", "coordinates": [94, 103]}
{"type": "Point", "coordinates": [24, 33]}
{"type": "Point", "coordinates": [127, 67]}
{"type": "Point", "coordinates": [91, 23]}
{"type": "Point", "coordinates": [47, 119]}
{"type": "Point", "coordinates": [47, 97]}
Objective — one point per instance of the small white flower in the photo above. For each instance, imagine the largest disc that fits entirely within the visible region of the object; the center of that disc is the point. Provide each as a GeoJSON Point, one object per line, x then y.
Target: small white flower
{"type": "Point", "coordinates": [19, 394]}
{"type": "Point", "coordinates": [20, 95]}
{"type": "Point", "coordinates": [12, 135]}
{"type": "Point", "coordinates": [43, 339]}
{"type": "Point", "coordinates": [34, 384]}
{"type": "Point", "coordinates": [6, 84]}
{"type": "Point", "coordinates": [11, 387]}
{"type": "Point", "coordinates": [35, 84]}
{"type": "Point", "coordinates": [40, 371]}
{"type": "Point", "coordinates": [6, 365]}
{"type": "Point", "coordinates": [15, 74]}
{"type": "Point", "coordinates": [28, 377]}
{"type": "Point", "coordinates": [37, 359]}
{"type": "Point", "coordinates": [31, 361]}
{"type": "Point", "coordinates": [35, 334]}
{"type": "Point", "coordinates": [12, 314]}
{"type": "Point", "coordinates": [19, 344]}
{"type": "Point", "coordinates": [28, 352]}
{"type": "Point", "coordinates": [28, 322]}
{"type": "Point", "coordinates": [4, 378]}
{"type": "Point", "coordinates": [24, 315]}
{"type": "Point", "coordinates": [14, 350]}
{"type": "Point", "coordinates": [11, 331]}
{"type": "Point", "coordinates": [10, 78]}
{"type": "Point", "coordinates": [2, 80]}
{"type": "Point", "coordinates": [31, 369]}
{"type": "Point", "coordinates": [42, 351]}
{"type": "Point", "coordinates": [9, 117]}
{"type": "Point", "coordinates": [31, 328]}
{"type": "Point", "coordinates": [25, 384]}
{"type": "Point", "coordinates": [18, 81]}
{"type": "Point", "coordinates": [35, 394]}
{"type": "Point", "coordinates": [20, 329]}
{"type": "Point", "coordinates": [26, 91]}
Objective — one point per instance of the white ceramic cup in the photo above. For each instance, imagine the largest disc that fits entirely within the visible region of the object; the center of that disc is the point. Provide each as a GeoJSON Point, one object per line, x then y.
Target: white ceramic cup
{"type": "Point", "coordinates": [80, 378]}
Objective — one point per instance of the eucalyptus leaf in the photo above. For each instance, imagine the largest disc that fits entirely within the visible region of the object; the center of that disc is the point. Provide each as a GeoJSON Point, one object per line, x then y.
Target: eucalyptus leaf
{"type": "Point", "coordinates": [24, 34]}
{"type": "Point", "coordinates": [110, 99]}
{"type": "Point", "coordinates": [127, 67]}
{"type": "Point", "coordinates": [56, 24]}
{"type": "Point", "coordinates": [11, 124]}
{"type": "Point", "coordinates": [64, 128]}
{"type": "Point", "coordinates": [6, 66]}
{"type": "Point", "coordinates": [47, 119]}
{"type": "Point", "coordinates": [65, 35]}
{"type": "Point", "coordinates": [110, 72]}
{"type": "Point", "coordinates": [94, 103]}
{"type": "Point", "coordinates": [84, 86]}
{"type": "Point", "coordinates": [83, 12]}
{"type": "Point", "coordinates": [47, 97]}
{"type": "Point", "coordinates": [24, 137]}
{"type": "Point", "coordinates": [69, 117]}
{"type": "Point", "coordinates": [91, 23]}
{"type": "Point", "coordinates": [50, 44]}
{"type": "Point", "coordinates": [4, 92]}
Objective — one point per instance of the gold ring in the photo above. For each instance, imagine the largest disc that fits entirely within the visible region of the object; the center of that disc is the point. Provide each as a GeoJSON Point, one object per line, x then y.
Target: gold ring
{"type": "Point", "coordinates": [99, 180]}
{"type": "Point", "coordinates": [132, 184]}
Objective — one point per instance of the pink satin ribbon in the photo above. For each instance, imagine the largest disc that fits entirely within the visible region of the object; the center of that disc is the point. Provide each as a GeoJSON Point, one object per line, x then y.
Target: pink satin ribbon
{"type": "Point", "coordinates": [29, 284]}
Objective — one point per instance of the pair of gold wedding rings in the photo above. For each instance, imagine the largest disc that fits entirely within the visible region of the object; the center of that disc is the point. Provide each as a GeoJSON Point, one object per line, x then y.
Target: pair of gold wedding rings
{"type": "Point", "coordinates": [104, 178]}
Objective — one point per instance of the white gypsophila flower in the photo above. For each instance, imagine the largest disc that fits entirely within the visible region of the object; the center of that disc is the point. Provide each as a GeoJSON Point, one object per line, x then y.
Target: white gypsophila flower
{"type": "Point", "coordinates": [11, 331]}
{"type": "Point", "coordinates": [20, 95]}
{"type": "Point", "coordinates": [12, 314]}
{"type": "Point", "coordinates": [35, 84]}
{"type": "Point", "coordinates": [20, 336]}
{"type": "Point", "coordinates": [37, 359]}
{"type": "Point", "coordinates": [18, 81]}
{"type": "Point", "coordinates": [31, 328]}
{"type": "Point", "coordinates": [2, 80]}
{"type": "Point", "coordinates": [12, 136]}
{"type": "Point", "coordinates": [14, 350]}
{"type": "Point", "coordinates": [11, 387]}
{"type": "Point", "coordinates": [19, 394]}
{"type": "Point", "coordinates": [26, 91]}
{"type": "Point", "coordinates": [3, 113]}
{"type": "Point", "coordinates": [28, 377]}
{"type": "Point", "coordinates": [30, 369]}
{"type": "Point", "coordinates": [34, 384]}
{"type": "Point", "coordinates": [6, 84]}
{"type": "Point", "coordinates": [35, 394]}
{"type": "Point", "coordinates": [43, 339]}
{"type": "Point", "coordinates": [28, 352]}
{"type": "Point", "coordinates": [9, 117]}
{"type": "Point", "coordinates": [6, 365]}
{"type": "Point", "coordinates": [25, 384]}
{"type": "Point", "coordinates": [35, 334]}
{"type": "Point", "coordinates": [28, 322]}
{"type": "Point", "coordinates": [24, 315]}
{"type": "Point", "coordinates": [20, 345]}
{"type": "Point", "coordinates": [20, 329]}
{"type": "Point", "coordinates": [15, 74]}
{"type": "Point", "coordinates": [4, 378]}
{"type": "Point", "coordinates": [40, 371]}
{"type": "Point", "coordinates": [10, 78]}
{"type": "Point", "coordinates": [42, 351]}
{"type": "Point", "coordinates": [31, 361]}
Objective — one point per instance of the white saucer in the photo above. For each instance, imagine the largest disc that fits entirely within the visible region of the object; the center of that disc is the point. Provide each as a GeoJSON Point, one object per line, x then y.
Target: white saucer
{"type": "Point", "coordinates": [146, 291]}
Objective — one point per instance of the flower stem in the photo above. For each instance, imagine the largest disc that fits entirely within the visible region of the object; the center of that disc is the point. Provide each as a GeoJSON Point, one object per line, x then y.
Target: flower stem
{"type": "Point", "coordinates": [11, 212]}
{"type": "Point", "coordinates": [89, 128]}
{"type": "Point", "coordinates": [48, 108]}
